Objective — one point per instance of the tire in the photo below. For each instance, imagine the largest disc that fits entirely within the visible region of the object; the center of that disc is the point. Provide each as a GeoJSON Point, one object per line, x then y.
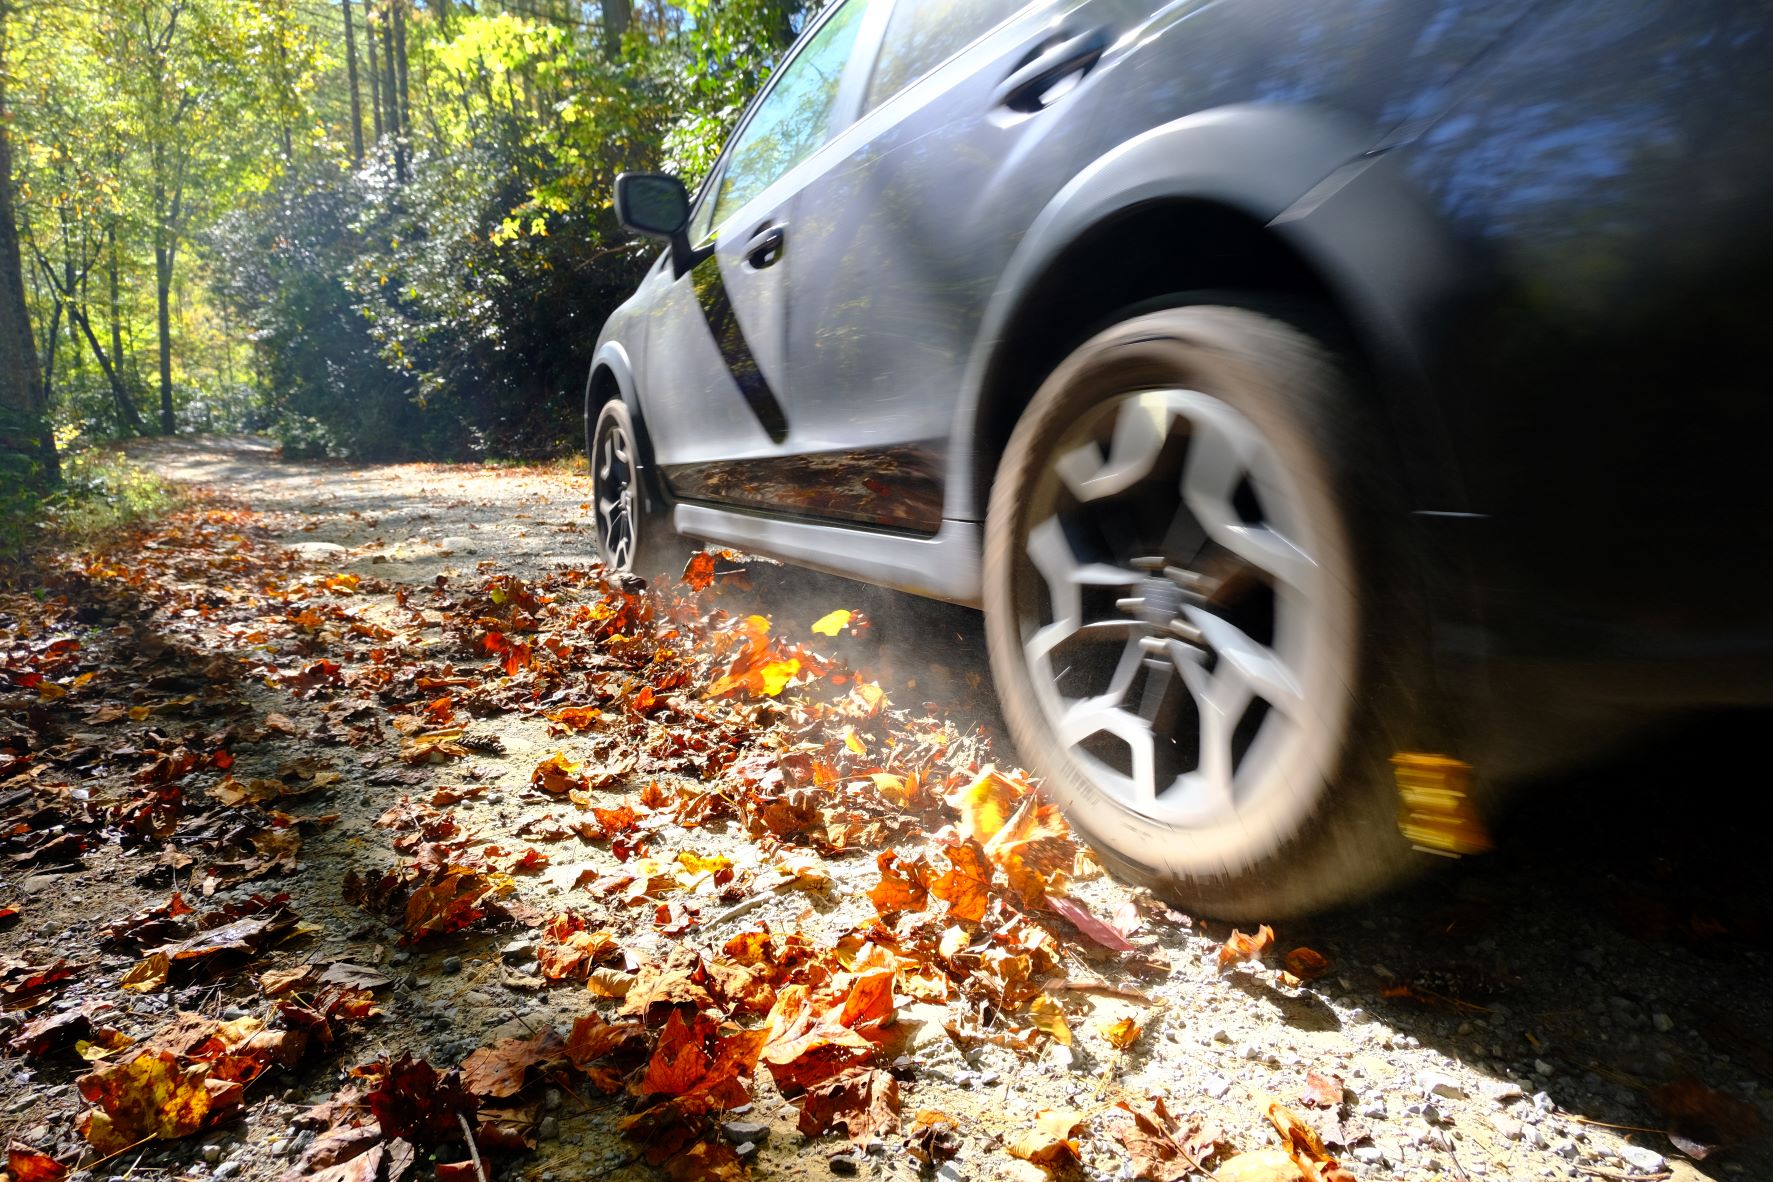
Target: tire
{"type": "Point", "coordinates": [633, 534]}
{"type": "Point", "coordinates": [1272, 659]}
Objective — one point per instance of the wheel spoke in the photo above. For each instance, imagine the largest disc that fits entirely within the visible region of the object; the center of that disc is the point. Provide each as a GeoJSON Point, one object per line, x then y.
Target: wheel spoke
{"type": "Point", "coordinates": [1141, 428]}
{"type": "Point", "coordinates": [1222, 450]}
{"type": "Point", "coordinates": [1088, 717]}
{"type": "Point", "coordinates": [1257, 665]}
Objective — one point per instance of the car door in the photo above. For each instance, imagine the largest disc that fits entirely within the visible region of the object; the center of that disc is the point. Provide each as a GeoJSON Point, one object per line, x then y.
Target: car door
{"type": "Point", "coordinates": [902, 240]}
{"type": "Point", "coordinates": [715, 356]}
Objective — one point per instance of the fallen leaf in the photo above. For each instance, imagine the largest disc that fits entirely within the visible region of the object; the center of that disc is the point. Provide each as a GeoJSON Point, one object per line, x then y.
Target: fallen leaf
{"type": "Point", "coordinates": [1123, 1033]}
{"type": "Point", "coordinates": [1321, 1091]}
{"type": "Point", "coordinates": [1239, 947]}
{"type": "Point", "coordinates": [25, 1164]}
{"type": "Point", "coordinates": [1049, 1018]}
{"type": "Point", "coordinates": [1260, 1165]}
{"type": "Point", "coordinates": [1149, 1133]}
{"type": "Point", "coordinates": [147, 975]}
{"type": "Point", "coordinates": [1080, 918]}
{"type": "Point", "coordinates": [1306, 964]}
{"type": "Point", "coordinates": [861, 1102]}
{"type": "Point", "coordinates": [151, 1096]}
{"type": "Point", "coordinates": [501, 1070]}
{"type": "Point", "coordinates": [966, 885]}
{"type": "Point", "coordinates": [1050, 1144]}
{"type": "Point", "coordinates": [679, 1062]}
{"type": "Point", "coordinates": [412, 1100]}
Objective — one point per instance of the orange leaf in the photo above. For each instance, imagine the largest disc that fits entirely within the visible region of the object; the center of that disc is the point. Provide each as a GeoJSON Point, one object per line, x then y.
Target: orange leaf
{"type": "Point", "coordinates": [870, 999]}
{"type": "Point", "coordinates": [903, 886]}
{"type": "Point", "coordinates": [698, 572]}
{"type": "Point", "coordinates": [1321, 1091]}
{"type": "Point", "coordinates": [151, 1096]}
{"type": "Point", "coordinates": [1306, 964]}
{"type": "Point", "coordinates": [678, 1062]}
{"type": "Point", "coordinates": [557, 775]}
{"type": "Point", "coordinates": [28, 1165]}
{"type": "Point", "coordinates": [966, 885]}
{"type": "Point", "coordinates": [1239, 947]}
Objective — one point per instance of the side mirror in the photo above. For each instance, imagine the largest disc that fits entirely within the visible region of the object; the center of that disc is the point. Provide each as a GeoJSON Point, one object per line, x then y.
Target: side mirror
{"type": "Point", "coordinates": [652, 204]}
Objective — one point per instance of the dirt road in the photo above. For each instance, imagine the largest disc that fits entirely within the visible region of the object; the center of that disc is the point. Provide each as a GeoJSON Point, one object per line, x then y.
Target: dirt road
{"type": "Point", "coordinates": [1549, 1012]}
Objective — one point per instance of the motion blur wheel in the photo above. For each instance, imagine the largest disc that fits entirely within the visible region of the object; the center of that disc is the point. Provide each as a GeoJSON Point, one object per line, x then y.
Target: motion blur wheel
{"type": "Point", "coordinates": [632, 538]}
{"type": "Point", "coordinates": [1181, 556]}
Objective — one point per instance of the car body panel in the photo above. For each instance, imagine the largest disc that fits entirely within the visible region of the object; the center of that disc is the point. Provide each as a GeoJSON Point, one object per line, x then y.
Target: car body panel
{"type": "Point", "coordinates": [1543, 220]}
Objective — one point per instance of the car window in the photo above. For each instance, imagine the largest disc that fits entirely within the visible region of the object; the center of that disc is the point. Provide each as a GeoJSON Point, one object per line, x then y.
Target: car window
{"type": "Point", "coordinates": [922, 34]}
{"type": "Point", "coordinates": [794, 117]}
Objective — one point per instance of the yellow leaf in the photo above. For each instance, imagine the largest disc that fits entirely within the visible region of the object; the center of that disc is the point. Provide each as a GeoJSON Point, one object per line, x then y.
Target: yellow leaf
{"type": "Point", "coordinates": [854, 741]}
{"type": "Point", "coordinates": [1049, 1018]}
{"type": "Point", "coordinates": [147, 975]}
{"type": "Point", "coordinates": [831, 623]}
{"type": "Point", "coordinates": [985, 805]}
{"type": "Point", "coordinates": [1122, 1034]}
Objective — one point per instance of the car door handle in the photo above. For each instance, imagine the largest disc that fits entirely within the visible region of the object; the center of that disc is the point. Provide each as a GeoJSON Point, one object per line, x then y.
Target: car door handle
{"type": "Point", "coordinates": [765, 247]}
{"type": "Point", "coordinates": [1029, 87]}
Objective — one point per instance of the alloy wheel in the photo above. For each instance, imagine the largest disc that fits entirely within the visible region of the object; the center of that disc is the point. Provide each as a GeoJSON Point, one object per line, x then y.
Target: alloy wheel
{"type": "Point", "coordinates": [1173, 618]}
{"type": "Point", "coordinates": [615, 492]}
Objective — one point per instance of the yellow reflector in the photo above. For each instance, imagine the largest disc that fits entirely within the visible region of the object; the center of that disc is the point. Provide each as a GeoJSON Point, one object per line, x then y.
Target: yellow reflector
{"type": "Point", "coordinates": [1435, 812]}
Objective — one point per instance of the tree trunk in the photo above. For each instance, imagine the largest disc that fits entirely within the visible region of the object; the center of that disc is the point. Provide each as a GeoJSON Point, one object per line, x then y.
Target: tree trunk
{"type": "Point", "coordinates": [21, 390]}
{"type": "Point", "coordinates": [375, 71]}
{"type": "Point", "coordinates": [390, 88]}
{"type": "Point", "coordinates": [400, 59]}
{"type": "Point", "coordinates": [126, 410]}
{"type": "Point", "coordinates": [617, 16]}
{"type": "Point", "coordinates": [163, 301]}
{"type": "Point", "coordinates": [351, 75]}
{"type": "Point", "coordinates": [116, 317]}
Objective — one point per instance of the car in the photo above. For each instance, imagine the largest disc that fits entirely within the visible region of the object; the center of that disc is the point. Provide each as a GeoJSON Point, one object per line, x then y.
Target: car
{"type": "Point", "coordinates": [1338, 408]}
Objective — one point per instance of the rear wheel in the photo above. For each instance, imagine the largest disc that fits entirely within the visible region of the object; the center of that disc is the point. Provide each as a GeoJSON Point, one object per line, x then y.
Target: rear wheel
{"type": "Point", "coordinates": [1192, 616]}
{"type": "Point", "coordinates": [633, 538]}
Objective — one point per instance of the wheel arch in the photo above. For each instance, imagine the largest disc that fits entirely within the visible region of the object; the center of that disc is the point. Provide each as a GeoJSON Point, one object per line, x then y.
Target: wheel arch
{"type": "Point", "coordinates": [1272, 200]}
{"type": "Point", "coordinates": [612, 376]}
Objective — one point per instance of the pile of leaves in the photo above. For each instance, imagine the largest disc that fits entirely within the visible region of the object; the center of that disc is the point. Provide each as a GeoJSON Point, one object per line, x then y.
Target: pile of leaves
{"type": "Point", "coordinates": [139, 683]}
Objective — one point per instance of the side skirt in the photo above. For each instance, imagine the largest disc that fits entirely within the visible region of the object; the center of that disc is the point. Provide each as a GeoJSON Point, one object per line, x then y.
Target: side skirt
{"type": "Point", "coordinates": [945, 566]}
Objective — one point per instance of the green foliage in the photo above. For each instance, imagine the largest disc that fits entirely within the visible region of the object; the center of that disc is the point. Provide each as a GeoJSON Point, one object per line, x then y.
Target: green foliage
{"type": "Point", "coordinates": [440, 297]}
{"type": "Point", "coordinates": [101, 491]}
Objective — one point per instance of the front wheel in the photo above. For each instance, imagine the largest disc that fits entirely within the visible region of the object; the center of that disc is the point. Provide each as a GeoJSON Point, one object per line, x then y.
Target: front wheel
{"type": "Point", "coordinates": [632, 537]}
{"type": "Point", "coordinates": [1197, 633]}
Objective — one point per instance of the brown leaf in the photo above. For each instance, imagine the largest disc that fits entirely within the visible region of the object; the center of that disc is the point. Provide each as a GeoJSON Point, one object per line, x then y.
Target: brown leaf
{"type": "Point", "coordinates": [1050, 1144]}
{"type": "Point", "coordinates": [1239, 947]}
{"type": "Point", "coordinates": [591, 1038]}
{"type": "Point", "coordinates": [412, 1100]}
{"type": "Point", "coordinates": [499, 1070]}
{"type": "Point", "coordinates": [807, 1045]}
{"type": "Point", "coordinates": [1049, 1018]}
{"type": "Point", "coordinates": [1150, 1134]}
{"type": "Point", "coordinates": [1704, 1118]}
{"type": "Point", "coordinates": [859, 1103]}
{"type": "Point", "coordinates": [1321, 1091]}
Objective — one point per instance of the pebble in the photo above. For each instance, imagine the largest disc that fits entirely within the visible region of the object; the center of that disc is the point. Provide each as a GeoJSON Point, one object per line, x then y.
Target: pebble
{"type": "Point", "coordinates": [1442, 1086]}
{"type": "Point", "coordinates": [1216, 1086]}
{"type": "Point", "coordinates": [452, 965]}
{"type": "Point", "coordinates": [226, 1170]}
{"type": "Point", "coordinates": [1662, 1022]}
{"type": "Point", "coordinates": [1541, 1067]}
{"type": "Point", "coordinates": [211, 1154]}
{"type": "Point", "coordinates": [548, 1128]}
{"type": "Point", "coordinates": [738, 1131]}
{"type": "Point", "coordinates": [1566, 1149]}
{"type": "Point", "coordinates": [1370, 1155]}
{"type": "Point", "coordinates": [844, 1162]}
{"type": "Point", "coordinates": [948, 1172]}
{"type": "Point", "coordinates": [1644, 1161]}
{"type": "Point", "coordinates": [745, 1148]}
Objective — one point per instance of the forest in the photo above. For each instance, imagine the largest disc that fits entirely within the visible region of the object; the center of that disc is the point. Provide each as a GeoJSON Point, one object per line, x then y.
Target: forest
{"type": "Point", "coordinates": [375, 228]}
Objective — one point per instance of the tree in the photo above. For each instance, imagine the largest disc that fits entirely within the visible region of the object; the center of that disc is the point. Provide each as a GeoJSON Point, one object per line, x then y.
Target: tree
{"type": "Point", "coordinates": [24, 427]}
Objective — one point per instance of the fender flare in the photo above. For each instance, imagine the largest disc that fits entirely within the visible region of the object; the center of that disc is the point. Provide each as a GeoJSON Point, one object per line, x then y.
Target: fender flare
{"type": "Point", "coordinates": [613, 356]}
{"type": "Point", "coordinates": [1309, 175]}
